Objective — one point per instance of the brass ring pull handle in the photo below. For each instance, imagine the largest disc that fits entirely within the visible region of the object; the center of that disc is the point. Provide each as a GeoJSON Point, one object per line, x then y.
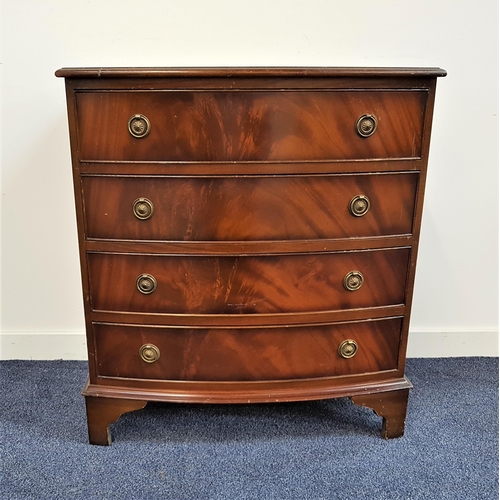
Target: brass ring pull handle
{"type": "Point", "coordinates": [359, 205]}
{"type": "Point", "coordinates": [348, 349]}
{"type": "Point", "coordinates": [366, 125]}
{"type": "Point", "coordinates": [139, 126]}
{"type": "Point", "coordinates": [353, 281]}
{"type": "Point", "coordinates": [143, 208]}
{"type": "Point", "coordinates": [146, 284]}
{"type": "Point", "coordinates": [149, 353]}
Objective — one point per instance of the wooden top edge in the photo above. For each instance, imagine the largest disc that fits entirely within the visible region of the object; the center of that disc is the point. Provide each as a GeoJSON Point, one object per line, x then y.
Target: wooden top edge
{"type": "Point", "coordinates": [246, 72]}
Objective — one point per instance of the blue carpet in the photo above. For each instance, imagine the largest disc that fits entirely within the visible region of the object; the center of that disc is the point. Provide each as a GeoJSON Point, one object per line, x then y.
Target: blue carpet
{"type": "Point", "coordinates": [314, 450]}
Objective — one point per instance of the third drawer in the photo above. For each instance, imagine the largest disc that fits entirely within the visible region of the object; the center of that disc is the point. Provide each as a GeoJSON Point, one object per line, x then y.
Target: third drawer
{"type": "Point", "coordinates": [254, 284]}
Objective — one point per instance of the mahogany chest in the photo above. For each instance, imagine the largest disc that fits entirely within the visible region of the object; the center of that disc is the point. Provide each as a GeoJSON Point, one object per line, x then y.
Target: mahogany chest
{"type": "Point", "coordinates": [248, 234]}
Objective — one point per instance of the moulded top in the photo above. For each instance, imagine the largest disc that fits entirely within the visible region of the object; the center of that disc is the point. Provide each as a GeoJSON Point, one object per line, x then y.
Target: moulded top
{"type": "Point", "coordinates": [231, 72]}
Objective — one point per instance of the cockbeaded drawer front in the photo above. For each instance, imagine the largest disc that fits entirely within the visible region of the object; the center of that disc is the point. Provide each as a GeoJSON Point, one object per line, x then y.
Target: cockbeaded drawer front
{"type": "Point", "coordinates": [243, 125]}
{"type": "Point", "coordinates": [247, 284]}
{"type": "Point", "coordinates": [249, 208]}
{"type": "Point", "coordinates": [247, 354]}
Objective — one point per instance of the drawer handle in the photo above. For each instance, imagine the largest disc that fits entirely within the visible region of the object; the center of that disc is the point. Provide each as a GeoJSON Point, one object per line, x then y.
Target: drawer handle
{"type": "Point", "coordinates": [149, 353]}
{"type": "Point", "coordinates": [146, 284]}
{"type": "Point", "coordinates": [353, 281]}
{"type": "Point", "coordinates": [139, 126]}
{"type": "Point", "coordinates": [143, 208]}
{"type": "Point", "coordinates": [359, 205]}
{"type": "Point", "coordinates": [366, 125]}
{"type": "Point", "coordinates": [348, 349]}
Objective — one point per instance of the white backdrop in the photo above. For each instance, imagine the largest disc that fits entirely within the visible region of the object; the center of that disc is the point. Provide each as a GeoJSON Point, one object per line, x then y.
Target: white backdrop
{"type": "Point", "coordinates": [456, 292]}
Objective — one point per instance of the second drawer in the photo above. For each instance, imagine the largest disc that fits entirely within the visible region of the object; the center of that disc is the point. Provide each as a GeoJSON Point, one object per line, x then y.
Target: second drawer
{"type": "Point", "coordinates": [248, 208]}
{"type": "Point", "coordinates": [247, 284]}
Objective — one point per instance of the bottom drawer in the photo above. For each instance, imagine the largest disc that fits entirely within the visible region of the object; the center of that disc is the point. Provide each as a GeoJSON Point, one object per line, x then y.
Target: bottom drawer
{"type": "Point", "coordinates": [246, 354]}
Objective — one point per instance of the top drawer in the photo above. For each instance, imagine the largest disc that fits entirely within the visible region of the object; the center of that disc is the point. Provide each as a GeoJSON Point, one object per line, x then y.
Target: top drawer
{"type": "Point", "coordinates": [243, 125]}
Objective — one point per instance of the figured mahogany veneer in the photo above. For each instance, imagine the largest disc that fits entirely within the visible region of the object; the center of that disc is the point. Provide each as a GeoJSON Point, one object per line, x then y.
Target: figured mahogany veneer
{"type": "Point", "coordinates": [250, 354]}
{"type": "Point", "coordinates": [248, 234]}
{"type": "Point", "coordinates": [249, 208]}
{"type": "Point", "coordinates": [249, 126]}
{"type": "Point", "coordinates": [247, 284]}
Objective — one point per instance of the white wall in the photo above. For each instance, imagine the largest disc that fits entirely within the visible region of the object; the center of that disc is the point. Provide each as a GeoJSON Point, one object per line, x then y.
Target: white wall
{"type": "Point", "coordinates": [456, 299]}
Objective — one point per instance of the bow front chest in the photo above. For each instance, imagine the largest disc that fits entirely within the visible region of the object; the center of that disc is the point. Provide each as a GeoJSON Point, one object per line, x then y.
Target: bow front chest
{"type": "Point", "coordinates": [248, 234]}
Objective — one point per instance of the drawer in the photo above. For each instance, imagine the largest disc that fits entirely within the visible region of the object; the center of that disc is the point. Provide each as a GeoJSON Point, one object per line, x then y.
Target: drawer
{"type": "Point", "coordinates": [237, 125]}
{"type": "Point", "coordinates": [249, 208]}
{"type": "Point", "coordinates": [247, 284]}
{"type": "Point", "coordinates": [246, 354]}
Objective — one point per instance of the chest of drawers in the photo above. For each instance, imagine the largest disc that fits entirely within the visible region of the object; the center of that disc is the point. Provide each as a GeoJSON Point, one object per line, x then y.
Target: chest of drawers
{"type": "Point", "coordinates": [248, 235]}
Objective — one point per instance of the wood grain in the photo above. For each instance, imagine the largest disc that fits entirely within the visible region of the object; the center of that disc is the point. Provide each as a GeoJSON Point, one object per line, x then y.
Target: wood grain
{"type": "Point", "coordinates": [249, 126]}
{"type": "Point", "coordinates": [248, 208]}
{"type": "Point", "coordinates": [248, 354]}
{"type": "Point", "coordinates": [250, 171]}
{"type": "Point", "coordinates": [240, 284]}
